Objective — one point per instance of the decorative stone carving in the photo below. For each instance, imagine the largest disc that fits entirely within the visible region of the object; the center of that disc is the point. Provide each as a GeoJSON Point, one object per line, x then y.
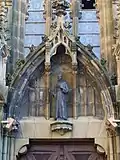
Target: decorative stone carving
{"type": "Point", "coordinates": [116, 8]}
{"type": "Point", "coordinates": [60, 6]}
{"type": "Point", "coordinates": [97, 10]}
{"type": "Point", "coordinates": [114, 79]}
{"type": "Point", "coordinates": [75, 12]}
{"type": "Point", "coordinates": [8, 79]}
{"type": "Point", "coordinates": [67, 25]}
{"type": "Point", "coordinates": [32, 48]}
{"type": "Point", "coordinates": [44, 38]}
{"type": "Point", "coordinates": [89, 47]}
{"type": "Point", "coordinates": [19, 63]}
{"type": "Point", "coordinates": [4, 32]}
{"type": "Point", "coordinates": [111, 130]}
{"type": "Point", "coordinates": [53, 25]}
{"type": "Point", "coordinates": [103, 63]}
{"type": "Point", "coordinates": [27, 7]}
{"type": "Point", "coordinates": [61, 127]}
{"type": "Point", "coordinates": [10, 125]}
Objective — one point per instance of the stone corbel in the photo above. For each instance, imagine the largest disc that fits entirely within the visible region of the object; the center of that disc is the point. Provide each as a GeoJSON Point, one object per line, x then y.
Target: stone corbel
{"type": "Point", "coordinates": [61, 127]}
{"type": "Point", "coordinates": [110, 127]}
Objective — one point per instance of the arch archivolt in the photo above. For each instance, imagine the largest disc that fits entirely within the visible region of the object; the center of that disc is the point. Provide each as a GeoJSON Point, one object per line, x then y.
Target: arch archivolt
{"type": "Point", "coordinates": [37, 60]}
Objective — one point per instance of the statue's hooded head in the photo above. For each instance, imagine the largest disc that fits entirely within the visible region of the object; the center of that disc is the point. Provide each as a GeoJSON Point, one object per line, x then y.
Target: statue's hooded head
{"type": "Point", "coordinates": [59, 76]}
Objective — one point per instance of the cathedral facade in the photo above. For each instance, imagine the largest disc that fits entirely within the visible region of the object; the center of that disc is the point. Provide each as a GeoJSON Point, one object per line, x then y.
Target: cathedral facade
{"type": "Point", "coordinates": [60, 79]}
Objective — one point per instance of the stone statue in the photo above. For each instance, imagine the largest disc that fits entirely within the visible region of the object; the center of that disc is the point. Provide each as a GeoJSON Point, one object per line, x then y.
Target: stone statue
{"type": "Point", "coordinates": [61, 93]}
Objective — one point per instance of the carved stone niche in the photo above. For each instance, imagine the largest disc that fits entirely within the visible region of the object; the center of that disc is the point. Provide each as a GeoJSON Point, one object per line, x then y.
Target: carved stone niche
{"type": "Point", "coordinates": [61, 127]}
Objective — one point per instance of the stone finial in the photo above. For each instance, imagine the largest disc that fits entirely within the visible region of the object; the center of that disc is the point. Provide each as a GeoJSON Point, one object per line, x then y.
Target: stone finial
{"type": "Point", "coordinates": [32, 48]}
{"type": "Point", "coordinates": [60, 7]}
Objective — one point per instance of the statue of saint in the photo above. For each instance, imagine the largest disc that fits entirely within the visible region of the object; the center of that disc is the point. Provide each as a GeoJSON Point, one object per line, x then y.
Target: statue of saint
{"type": "Point", "coordinates": [61, 94]}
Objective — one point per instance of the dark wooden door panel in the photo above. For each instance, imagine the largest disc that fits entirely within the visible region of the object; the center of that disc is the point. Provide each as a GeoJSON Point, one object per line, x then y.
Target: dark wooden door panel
{"type": "Point", "coordinates": [62, 152]}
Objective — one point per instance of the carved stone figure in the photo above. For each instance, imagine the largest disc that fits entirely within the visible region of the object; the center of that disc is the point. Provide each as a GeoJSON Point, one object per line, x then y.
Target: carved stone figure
{"type": "Point", "coordinates": [61, 94]}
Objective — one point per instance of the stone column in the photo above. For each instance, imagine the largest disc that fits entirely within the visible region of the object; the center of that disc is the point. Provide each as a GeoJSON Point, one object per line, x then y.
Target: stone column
{"type": "Point", "coordinates": [47, 86]}
{"type": "Point", "coordinates": [12, 148]}
{"type": "Point", "coordinates": [118, 146]}
{"type": "Point", "coordinates": [48, 16]}
{"type": "Point", "coordinates": [111, 142]}
{"type": "Point", "coordinates": [17, 24]}
{"type": "Point", "coordinates": [75, 16]}
{"type": "Point", "coordinates": [47, 80]}
{"type": "Point", "coordinates": [74, 66]}
{"type": "Point", "coordinates": [106, 33]}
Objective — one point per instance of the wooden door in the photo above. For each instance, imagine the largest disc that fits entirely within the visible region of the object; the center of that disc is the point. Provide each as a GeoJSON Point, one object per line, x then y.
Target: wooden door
{"type": "Point", "coordinates": [62, 151]}
{"type": "Point", "coordinates": [81, 152]}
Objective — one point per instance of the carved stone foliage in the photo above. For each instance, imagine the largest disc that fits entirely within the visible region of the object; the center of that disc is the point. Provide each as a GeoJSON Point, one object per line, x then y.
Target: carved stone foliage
{"type": "Point", "coordinates": [27, 7]}
{"type": "Point", "coordinates": [4, 32]}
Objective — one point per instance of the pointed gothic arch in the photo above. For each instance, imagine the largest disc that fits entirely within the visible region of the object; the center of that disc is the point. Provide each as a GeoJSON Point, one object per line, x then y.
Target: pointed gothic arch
{"type": "Point", "coordinates": [37, 58]}
{"type": "Point", "coordinates": [53, 49]}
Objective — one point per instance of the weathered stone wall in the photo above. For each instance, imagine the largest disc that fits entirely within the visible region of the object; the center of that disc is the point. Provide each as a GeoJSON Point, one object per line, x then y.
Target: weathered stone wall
{"type": "Point", "coordinates": [84, 127]}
